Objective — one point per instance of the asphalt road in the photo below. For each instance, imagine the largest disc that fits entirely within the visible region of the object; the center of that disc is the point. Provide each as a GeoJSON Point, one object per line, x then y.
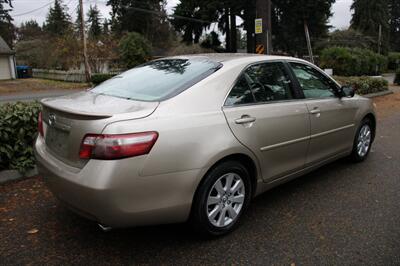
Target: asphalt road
{"type": "Point", "coordinates": [341, 214]}
{"type": "Point", "coordinates": [32, 96]}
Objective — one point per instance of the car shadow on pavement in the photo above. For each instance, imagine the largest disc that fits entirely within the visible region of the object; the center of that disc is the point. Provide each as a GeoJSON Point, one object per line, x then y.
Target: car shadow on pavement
{"type": "Point", "coordinates": [182, 233]}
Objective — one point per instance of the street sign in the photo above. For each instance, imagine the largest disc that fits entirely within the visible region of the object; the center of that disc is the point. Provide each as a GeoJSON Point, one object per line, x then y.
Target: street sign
{"type": "Point", "coordinates": [260, 49]}
{"type": "Point", "coordinates": [258, 25]}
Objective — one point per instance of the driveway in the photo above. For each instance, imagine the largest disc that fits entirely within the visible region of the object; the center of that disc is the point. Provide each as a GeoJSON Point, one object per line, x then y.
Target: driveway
{"type": "Point", "coordinates": [33, 96]}
{"type": "Point", "coordinates": [343, 214]}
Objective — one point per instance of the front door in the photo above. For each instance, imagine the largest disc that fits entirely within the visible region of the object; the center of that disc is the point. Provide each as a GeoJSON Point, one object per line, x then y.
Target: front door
{"type": "Point", "coordinates": [264, 116]}
{"type": "Point", "coordinates": [332, 118]}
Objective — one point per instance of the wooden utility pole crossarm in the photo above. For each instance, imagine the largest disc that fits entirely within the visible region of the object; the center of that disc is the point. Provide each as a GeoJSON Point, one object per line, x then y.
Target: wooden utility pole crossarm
{"type": "Point", "coordinates": [88, 73]}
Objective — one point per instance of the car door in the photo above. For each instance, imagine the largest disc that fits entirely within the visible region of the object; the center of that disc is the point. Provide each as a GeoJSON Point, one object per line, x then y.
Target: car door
{"type": "Point", "coordinates": [264, 115]}
{"type": "Point", "coordinates": [332, 118]}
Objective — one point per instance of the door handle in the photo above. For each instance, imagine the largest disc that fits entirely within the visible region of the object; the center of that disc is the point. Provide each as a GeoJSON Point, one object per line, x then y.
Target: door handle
{"type": "Point", "coordinates": [315, 111]}
{"type": "Point", "coordinates": [245, 119]}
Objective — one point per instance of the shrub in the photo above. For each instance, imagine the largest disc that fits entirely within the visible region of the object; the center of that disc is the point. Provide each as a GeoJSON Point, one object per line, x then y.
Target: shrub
{"type": "Point", "coordinates": [134, 49]}
{"type": "Point", "coordinates": [364, 85]}
{"type": "Point", "coordinates": [183, 49]}
{"type": "Point", "coordinates": [397, 77]}
{"type": "Point", "coordinates": [99, 78]}
{"type": "Point", "coordinates": [18, 128]}
{"type": "Point", "coordinates": [352, 61]}
{"type": "Point", "coordinates": [393, 61]}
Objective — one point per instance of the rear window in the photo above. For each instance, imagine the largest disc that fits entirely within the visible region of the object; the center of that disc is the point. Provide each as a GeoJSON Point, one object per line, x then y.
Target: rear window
{"type": "Point", "coordinates": [158, 80]}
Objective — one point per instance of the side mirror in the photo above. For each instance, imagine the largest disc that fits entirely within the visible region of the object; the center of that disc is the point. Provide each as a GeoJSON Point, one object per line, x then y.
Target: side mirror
{"type": "Point", "coordinates": [347, 91]}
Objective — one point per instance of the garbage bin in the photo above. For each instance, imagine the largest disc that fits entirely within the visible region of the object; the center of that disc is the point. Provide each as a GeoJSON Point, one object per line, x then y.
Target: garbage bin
{"type": "Point", "coordinates": [24, 72]}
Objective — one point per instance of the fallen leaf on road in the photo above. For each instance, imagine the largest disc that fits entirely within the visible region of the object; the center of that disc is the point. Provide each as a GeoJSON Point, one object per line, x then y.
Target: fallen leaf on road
{"type": "Point", "coordinates": [33, 231]}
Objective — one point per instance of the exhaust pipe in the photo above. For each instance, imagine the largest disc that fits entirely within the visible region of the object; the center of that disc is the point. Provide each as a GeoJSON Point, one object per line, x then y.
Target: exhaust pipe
{"type": "Point", "coordinates": [105, 228]}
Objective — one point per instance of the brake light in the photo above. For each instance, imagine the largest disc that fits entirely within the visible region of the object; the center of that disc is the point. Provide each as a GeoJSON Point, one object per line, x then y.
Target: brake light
{"type": "Point", "coordinates": [108, 147]}
{"type": "Point", "coordinates": [40, 124]}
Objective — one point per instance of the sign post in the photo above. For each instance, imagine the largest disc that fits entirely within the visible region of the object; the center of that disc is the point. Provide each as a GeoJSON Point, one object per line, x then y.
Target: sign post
{"type": "Point", "coordinates": [263, 27]}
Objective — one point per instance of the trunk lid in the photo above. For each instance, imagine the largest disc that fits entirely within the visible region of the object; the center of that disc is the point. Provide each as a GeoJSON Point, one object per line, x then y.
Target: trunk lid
{"type": "Point", "coordinates": [67, 119]}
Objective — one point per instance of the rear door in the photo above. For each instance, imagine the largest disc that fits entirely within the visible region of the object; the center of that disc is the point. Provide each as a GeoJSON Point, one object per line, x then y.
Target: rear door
{"type": "Point", "coordinates": [264, 115]}
{"type": "Point", "coordinates": [332, 118]}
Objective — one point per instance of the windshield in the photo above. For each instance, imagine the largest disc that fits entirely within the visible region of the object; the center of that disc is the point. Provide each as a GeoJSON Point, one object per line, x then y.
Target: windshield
{"type": "Point", "coordinates": [158, 80]}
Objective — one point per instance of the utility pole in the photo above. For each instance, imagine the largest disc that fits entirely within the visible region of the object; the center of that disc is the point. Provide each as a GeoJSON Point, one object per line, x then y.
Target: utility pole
{"type": "Point", "coordinates": [264, 38]}
{"type": "Point", "coordinates": [310, 53]}
{"type": "Point", "coordinates": [88, 73]}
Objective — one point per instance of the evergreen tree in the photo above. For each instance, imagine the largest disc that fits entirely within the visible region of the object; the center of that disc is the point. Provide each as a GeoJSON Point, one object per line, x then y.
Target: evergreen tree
{"type": "Point", "coordinates": [29, 30]}
{"type": "Point", "coordinates": [78, 21]}
{"type": "Point", "coordinates": [58, 22]}
{"type": "Point", "coordinates": [134, 15]}
{"type": "Point", "coordinates": [147, 17]}
{"type": "Point", "coordinates": [394, 7]}
{"type": "Point", "coordinates": [95, 29]}
{"type": "Point", "coordinates": [289, 17]}
{"type": "Point", "coordinates": [7, 29]}
{"type": "Point", "coordinates": [368, 15]}
{"type": "Point", "coordinates": [106, 27]}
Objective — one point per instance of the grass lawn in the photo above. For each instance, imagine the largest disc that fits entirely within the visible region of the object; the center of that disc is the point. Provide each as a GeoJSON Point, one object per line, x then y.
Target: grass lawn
{"type": "Point", "coordinates": [37, 85]}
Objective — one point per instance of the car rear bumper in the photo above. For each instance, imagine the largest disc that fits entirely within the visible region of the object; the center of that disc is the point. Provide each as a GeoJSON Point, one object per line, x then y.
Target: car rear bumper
{"type": "Point", "coordinates": [115, 194]}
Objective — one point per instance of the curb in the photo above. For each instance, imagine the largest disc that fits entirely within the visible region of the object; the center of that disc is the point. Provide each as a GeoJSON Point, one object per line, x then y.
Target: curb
{"type": "Point", "coordinates": [10, 175]}
{"type": "Point", "coordinates": [377, 94]}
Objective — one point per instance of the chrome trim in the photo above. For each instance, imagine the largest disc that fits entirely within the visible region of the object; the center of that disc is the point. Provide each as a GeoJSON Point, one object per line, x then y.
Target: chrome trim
{"type": "Point", "coordinates": [330, 131]}
{"type": "Point", "coordinates": [278, 145]}
{"type": "Point", "coordinates": [285, 143]}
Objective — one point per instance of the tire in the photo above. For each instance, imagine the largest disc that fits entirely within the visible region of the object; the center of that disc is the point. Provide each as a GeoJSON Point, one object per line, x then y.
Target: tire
{"type": "Point", "coordinates": [362, 141]}
{"type": "Point", "coordinates": [213, 198]}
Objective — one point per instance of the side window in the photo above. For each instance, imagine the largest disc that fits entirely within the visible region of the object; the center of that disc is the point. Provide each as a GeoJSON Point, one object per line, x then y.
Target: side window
{"type": "Point", "coordinates": [240, 93]}
{"type": "Point", "coordinates": [269, 82]}
{"type": "Point", "coordinates": [313, 83]}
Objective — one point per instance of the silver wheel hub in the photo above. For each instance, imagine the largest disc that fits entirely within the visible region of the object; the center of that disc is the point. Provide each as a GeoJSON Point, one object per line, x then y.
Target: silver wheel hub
{"type": "Point", "coordinates": [225, 200]}
{"type": "Point", "coordinates": [364, 140]}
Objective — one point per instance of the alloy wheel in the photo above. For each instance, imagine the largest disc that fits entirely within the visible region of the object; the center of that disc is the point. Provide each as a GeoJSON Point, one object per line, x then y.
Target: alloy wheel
{"type": "Point", "coordinates": [364, 140]}
{"type": "Point", "coordinates": [225, 200]}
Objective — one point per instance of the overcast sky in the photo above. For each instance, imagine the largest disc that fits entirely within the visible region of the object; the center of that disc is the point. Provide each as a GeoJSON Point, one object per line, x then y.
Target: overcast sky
{"type": "Point", "coordinates": [340, 19]}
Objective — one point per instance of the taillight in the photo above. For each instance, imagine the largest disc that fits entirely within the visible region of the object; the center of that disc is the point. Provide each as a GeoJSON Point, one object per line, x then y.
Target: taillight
{"type": "Point", "coordinates": [108, 147]}
{"type": "Point", "coordinates": [40, 124]}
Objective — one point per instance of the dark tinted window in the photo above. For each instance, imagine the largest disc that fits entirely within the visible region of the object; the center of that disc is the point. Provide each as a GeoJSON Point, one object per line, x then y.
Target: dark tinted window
{"type": "Point", "coordinates": [157, 80]}
{"type": "Point", "coordinates": [269, 82]}
{"type": "Point", "coordinates": [240, 93]}
{"type": "Point", "coordinates": [261, 83]}
{"type": "Point", "coordinates": [313, 83]}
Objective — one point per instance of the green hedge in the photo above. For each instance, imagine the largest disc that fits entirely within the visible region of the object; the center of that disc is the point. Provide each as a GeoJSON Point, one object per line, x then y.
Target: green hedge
{"type": "Point", "coordinates": [364, 85]}
{"type": "Point", "coordinates": [352, 61]}
{"type": "Point", "coordinates": [393, 61]}
{"type": "Point", "coordinates": [18, 130]}
{"type": "Point", "coordinates": [99, 78]}
{"type": "Point", "coordinates": [397, 78]}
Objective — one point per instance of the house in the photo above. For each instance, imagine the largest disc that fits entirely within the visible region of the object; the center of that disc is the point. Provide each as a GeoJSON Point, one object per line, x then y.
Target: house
{"type": "Point", "coordinates": [7, 61]}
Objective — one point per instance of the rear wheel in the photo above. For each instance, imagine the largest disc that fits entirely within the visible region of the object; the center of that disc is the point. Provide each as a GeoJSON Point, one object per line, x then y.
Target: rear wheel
{"type": "Point", "coordinates": [362, 141]}
{"type": "Point", "coordinates": [221, 199]}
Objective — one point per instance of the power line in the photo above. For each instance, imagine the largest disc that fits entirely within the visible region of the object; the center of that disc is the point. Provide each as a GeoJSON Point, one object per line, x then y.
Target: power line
{"type": "Point", "coordinates": [33, 10]}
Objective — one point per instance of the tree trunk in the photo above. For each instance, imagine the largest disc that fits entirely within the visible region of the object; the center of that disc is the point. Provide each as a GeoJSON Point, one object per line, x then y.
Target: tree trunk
{"type": "Point", "coordinates": [227, 31]}
{"type": "Point", "coordinates": [249, 15]}
{"type": "Point", "coordinates": [233, 32]}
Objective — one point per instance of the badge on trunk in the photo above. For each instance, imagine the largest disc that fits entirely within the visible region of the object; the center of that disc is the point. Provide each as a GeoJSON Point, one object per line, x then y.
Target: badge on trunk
{"type": "Point", "coordinates": [52, 119]}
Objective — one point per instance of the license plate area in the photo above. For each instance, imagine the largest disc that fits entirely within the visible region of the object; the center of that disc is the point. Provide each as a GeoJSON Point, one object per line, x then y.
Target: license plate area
{"type": "Point", "coordinates": [57, 141]}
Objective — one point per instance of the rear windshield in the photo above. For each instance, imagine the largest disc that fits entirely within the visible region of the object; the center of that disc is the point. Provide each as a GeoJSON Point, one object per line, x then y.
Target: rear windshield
{"type": "Point", "coordinates": [158, 80]}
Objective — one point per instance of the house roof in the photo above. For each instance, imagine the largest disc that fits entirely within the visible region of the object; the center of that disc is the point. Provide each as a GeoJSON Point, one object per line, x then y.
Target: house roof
{"type": "Point", "coordinates": [4, 48]}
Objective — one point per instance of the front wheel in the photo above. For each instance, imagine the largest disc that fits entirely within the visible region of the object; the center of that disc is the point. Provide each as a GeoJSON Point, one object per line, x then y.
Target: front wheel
{"type": "Point", "coordinates": [221, 199]}
{"type": "Point", "coordinates": [362, 141]}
